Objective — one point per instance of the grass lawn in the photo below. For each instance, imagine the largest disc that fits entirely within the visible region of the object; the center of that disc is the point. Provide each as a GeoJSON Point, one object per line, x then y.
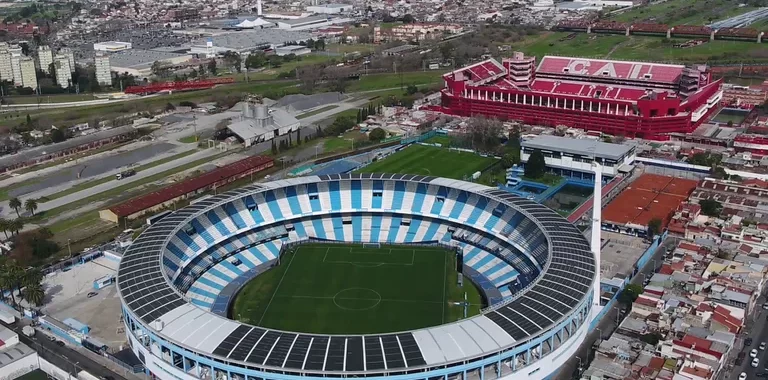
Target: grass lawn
{"type": "Point", "coordinates": [317, 111]}
{"type": "Point", "coordinates": [34, 375]}
{"type": "Point", "coordinates": [638, 48]}
{"type": "Point", "coordinates": [42, 99]}
{"type": "Point", "coordinates": [433, 161]}
{"type": "Point", "coordinates": [350, 48]}
{"type": "Point", "coordinates": [391, 80]}
{"type": "Point", "coordinates": [679, 12]}
{"type": "Point", "coordinates": [188, 139]}
{"type": "Point", "coordinates": [439, 139]}
{"type": "Point", "coordinates": [547, 179]}
{"type": "Point", "coordinates": [273, 72]}
{"type": "Point", "coordinates": [351, 289]}
{"type": "Point", "coordinates": [340, 144]}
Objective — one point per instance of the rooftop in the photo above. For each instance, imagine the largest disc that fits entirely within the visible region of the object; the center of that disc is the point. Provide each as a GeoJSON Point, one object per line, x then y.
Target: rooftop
{"type": "Point", "coordinates": [136, 58]}
{"type": "Point", "coordinates": [582, 147]}
{"type": "Point", "coordinates": [648, 197]}
{"type": "Point", "coordinates": [304, 20]}
{"type": "Point", "coordinates": [253, 39]}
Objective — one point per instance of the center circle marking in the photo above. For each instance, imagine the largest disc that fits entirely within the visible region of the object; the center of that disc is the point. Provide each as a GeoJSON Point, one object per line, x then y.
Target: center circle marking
{"type": "Point", "coordinates": [357, 299]}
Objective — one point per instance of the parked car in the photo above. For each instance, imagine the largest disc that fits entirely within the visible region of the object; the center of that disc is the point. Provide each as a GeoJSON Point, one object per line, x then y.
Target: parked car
{"type": "Point", "coordinates": [765, 306]}
{"type": "Point", "coordinates": [762, 346]}
{"type": "Point", "coordinates": [92, 294]}
{"type": "Point", "coordinates": [753, 353]}
{"type": "Point", "coordinates": [60, 343]}
{"type": "Point", "coordinates": [755, 362]}
{"type": "Point", "coordinates": [743, 376]}
{"type": "Point", "coordinates": [748, 342]}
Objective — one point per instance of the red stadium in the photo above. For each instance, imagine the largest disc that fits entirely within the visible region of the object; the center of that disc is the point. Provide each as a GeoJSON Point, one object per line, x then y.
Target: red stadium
{"type": "Point", "coordinates": [621, 98]}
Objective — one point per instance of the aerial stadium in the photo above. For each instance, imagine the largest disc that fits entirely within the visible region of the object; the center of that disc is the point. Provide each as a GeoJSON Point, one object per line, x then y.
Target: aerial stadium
{"type": "Point", "coordinates": [633, 99]}
{"type": "Point", "coordinates": [536, 271]}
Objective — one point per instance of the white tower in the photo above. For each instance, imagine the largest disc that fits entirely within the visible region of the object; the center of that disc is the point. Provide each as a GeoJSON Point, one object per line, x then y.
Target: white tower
{"type": "Point", "coordinates": [596, 223]}
{"type": "Point", "coordinates": [258, 8]}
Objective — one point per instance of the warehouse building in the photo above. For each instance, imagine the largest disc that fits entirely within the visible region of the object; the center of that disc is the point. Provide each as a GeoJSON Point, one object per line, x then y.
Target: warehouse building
{"type": "Point", "coordinates": [112, 46]}
{"type": "Point", "coordinates": [311, 22]}
{"type": "Point", "coordinates": [259, 123]}
{"type": "Point", "coordinates": [139, 62]}
{"type": "Point", "coordinates": [169, 195]}
{"type": "Point", "coordinates": [330, 9]}
{"type": "Point", "coordinates": [246, 42]}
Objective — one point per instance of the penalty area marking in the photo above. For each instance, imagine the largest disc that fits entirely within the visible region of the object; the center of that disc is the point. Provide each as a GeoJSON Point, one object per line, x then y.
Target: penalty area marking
{"type": "Point", "coordinates": [373, 264]}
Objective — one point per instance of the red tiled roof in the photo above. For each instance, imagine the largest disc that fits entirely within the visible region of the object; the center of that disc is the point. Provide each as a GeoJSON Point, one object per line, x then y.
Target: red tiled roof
{"type": "Point", "coordinates": [699, 342]}
{"type": "Point", "coordinates": [689, 246]}
{"type": "Point", "coordinates": [704, 307]}
{"type": "Point", "coordinates": [168, 193]}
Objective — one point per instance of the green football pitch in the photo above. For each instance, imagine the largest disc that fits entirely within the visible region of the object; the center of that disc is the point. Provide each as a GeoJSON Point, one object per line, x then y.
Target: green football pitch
{"type": "Point", "coordinates": [352, 289]}
{"type": "Point", "coordinates": [432, 161]}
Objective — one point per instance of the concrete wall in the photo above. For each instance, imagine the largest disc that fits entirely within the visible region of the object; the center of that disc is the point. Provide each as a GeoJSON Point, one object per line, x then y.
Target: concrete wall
{"type": "Point", "coordinates": [20, 367]}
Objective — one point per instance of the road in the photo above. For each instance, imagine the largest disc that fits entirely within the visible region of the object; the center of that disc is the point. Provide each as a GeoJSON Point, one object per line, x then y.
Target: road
{"type": "Point", "coordinates": [756, 330]}
{"type": "Point", "coordinates": [609, 322]}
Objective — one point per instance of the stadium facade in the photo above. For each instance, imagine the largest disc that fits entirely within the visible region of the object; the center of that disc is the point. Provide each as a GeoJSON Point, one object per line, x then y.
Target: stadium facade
{"type": "Point", "coordinates": [633, 99]}
{"type": "Point", "coordinates": [535, 268]}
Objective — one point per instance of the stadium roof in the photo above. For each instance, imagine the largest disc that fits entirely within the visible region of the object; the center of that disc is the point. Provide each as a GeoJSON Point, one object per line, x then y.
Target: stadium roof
{"type": "Point", "coordinates": [185, 187]}
{"type": "Point", "coordinates": [562, 288]}
{"type": "Point", "coordinates": [583, 147]}
{"type": "Point", "coordinates": [602, 68]}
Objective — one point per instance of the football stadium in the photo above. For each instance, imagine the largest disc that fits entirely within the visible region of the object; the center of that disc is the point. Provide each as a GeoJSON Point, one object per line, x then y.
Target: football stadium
{"type": "Point", "coordinates": [633, 99]}
{"type": "Point", "coordinates": [358, 275]}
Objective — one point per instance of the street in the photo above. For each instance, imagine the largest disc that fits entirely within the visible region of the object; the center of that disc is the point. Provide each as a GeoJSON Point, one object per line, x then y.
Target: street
{"type": "Point", "coordinates": [756, 330]}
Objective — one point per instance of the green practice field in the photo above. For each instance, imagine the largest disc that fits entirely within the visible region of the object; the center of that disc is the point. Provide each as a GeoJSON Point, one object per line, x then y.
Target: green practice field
{"type": "Point", "coordinates": [351, 289]}
{"type": "Point", "coordinates": [432, 161]}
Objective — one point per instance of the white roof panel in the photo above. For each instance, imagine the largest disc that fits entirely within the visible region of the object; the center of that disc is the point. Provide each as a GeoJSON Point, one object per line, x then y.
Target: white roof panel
{"type": "Point", "coordinates": [448, 344]}
{"type": "Point", "coordinates": [501, 337]}
{"type": "Point", "coordinates": [216, 335]}
{"type": "Point", "coordinates": [429, 348]}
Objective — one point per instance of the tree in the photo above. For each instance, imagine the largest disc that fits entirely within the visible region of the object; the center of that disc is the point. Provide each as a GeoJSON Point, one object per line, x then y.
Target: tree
{"type": "Point", "coordinates": [630, 293]}
{"type": "Point", "coordinates": [159, 68]}
{"type": "Point", "coordinates": [201, 70]}
{"type": "Point", "coordinates": [233, 59]}
{"type": "Point", "coordinates": [30, 205]}
{"type": "Point", "coordinates": [654, 227]}
{"type": "Point", "coordinates": [4, 224]}
{"type": "Point", "coordinates": [32, 276]}
{"type": "Point", "coordinates": [411, 89]}
{"type": "Point", "coordinates": [536, 166]}
{"type": "Point", "coordinates": [15, 204]}
{"type": "Point", "coordinates": [298, 136]}
{"type": "Point", "coordinates": [509, 160]}
{"type": "Point", "coordinates": [16, 225]}
{"type": "Point", "coordinates": [711, 207]}
{"type": "Point", "coordinates": [34, 294]}
{"type": "Point", "coordinates": [212, 67]}
{"type": "Point", "coordinates": [29, 121]}
{"type": "Point", "coordinates": [377, 134]}
{"type": "Point", "coordinates": [170, 107]}
{"type": "Point", "coordinates": [446, 50]}
{"type": "Point", "coordinates": [484, 133]}
{"type": "Point", "coordinates": [57, 135]}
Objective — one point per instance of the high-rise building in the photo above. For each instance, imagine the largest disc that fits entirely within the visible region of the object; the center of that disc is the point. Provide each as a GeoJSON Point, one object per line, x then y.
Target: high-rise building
{"type": "Point", "coordinates": [28, 72]}
{"type": "Point", "coordinates": [70, 57]}
{"type": "Point", "coordinates": [45, 58]}
{"type": "Point", "coordinates": [6, 68]}
{"type": "Point", "coordinates": [16, 69]}
{"type": "Point", "coordinates": [103, 70]}
{"type": "Point", "coordinates": [63, 71]}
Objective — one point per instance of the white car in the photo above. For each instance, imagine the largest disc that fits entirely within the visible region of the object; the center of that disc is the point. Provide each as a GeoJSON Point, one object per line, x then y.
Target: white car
{"type": "Point", "coordinates": [743, 376]}
{"type": "Point", "coordinates": [762, 346]}
{"type": "Point", "coordinates": [753, 353]}
{"type": "Point", "coordinates": [755, 362]}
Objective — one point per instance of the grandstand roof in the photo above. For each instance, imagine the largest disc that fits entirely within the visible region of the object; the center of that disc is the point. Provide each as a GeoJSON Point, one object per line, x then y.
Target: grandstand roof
{"type": "Point", "coordinates": [168, 193]}
{"type": "Point", "coordinates": [651, 72]}
{"type": "Point", "coordinates": [562, 288]}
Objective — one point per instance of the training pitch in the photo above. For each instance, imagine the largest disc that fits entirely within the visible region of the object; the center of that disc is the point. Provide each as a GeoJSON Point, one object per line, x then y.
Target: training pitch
{"type": "Point", "coordinates": [431, 161]}
{"type": "Point", "coordinates": [352, 289]}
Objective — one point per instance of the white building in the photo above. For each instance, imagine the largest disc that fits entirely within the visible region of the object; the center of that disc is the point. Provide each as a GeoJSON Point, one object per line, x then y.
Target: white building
{"type": "Point", "coordinates": [292, 49]}
{"type": "Point", "coordinates": [70, 57]}
{"type": "Point", "coordinates": [103, 69]}
{"type": "Point", "coordinates": [571, 157]}
{"type": "Point", "coordinates": [28, 72]}
{"type": "Point", "coordinates": [63, 70]}
{"type": "Point", "coordinates": [6, 67]}
{"type": "Point", "coordinates": [330, 9]}
{"type": "Point", "coordinates": [112, 46]}
{"type": "Point", "coordinates": [16, 69]}
{"type": "Point", "coordinates": [259, 123]}
{"type": "Point", "coordinates": [45, 58]}
{"type": "Point", "coordinates": [139, 62]}
{"type": "Point", "coordinates": [312, 22]}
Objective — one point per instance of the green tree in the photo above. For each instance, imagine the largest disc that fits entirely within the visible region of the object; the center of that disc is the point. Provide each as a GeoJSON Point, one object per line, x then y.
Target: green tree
{"type": "Point", "coordinates": [34, 294]}
{"type": "Point", "coordinates": [57, 135]}
{"type": "Point", "coordinates": [654, 227]}
{"type": "Point", "coordinates": [12, 278]}
{"type": "Point", "coordinates": [212, 67]}
{"type": "Point", "coordinates": [15, 204]}
{"type": "Point", "coordinates": [4, 224]}
{"type": "Point", "coordinates": [377, 134]}
{"type": "Point", "coordinates": [29, 121]}
{"type": "Point", "coordinates": [536, 166]}
{"type": "Point", "coordinates": [509, 160]}
{"type": "Point", "coordinates": [170, 107]}
{"type": "Point", "coordinates": [711, 207]}
{"type": "Point", "coordinates": [411, 89]}
{"type": "Point", "coordinates": [233, 59]}
{"type": "Point", "coordinates": [630, 293]}
{"type": "Point", "coordinates": [30, 205]}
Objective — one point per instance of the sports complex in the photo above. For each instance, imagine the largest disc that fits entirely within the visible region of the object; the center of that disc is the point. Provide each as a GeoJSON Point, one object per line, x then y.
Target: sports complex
{"type": "Point", "coordinates": [358, 275]}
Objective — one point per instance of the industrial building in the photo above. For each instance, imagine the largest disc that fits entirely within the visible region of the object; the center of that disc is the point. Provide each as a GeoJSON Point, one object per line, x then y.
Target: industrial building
{"type": "Point", "coordinates": [6, 67]}
{"type": "Point", "coordinates": [311, 22]}
{"type": "Point", "coordinates": [16, 358]}
{"type": "Point", "coordinates": [573, 158]}
{"type": "Point", "coordinates": [330, 9]}
{"type": "Point", "coordinates": [260, 123]}
{"type": "Point", "coordinates": [139, 62]}
{"type": "Point", "coordinates": [292, 49]}
{"type": "Point", "coordinates": [632, 99]}
{"type": "Point", "coordinates": [111, 46]}
{"type": "Point", "coordinates": [45, 58]}
{"type": "Point", "coordinates": [28, 72]}
{"type": "Point", "coordinates": [103, 69]}
{"type": "Point", "coordinates": [246, 42]}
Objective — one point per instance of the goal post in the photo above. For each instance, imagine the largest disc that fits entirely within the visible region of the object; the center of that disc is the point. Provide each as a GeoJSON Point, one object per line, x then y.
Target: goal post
{"type": "Point", "coordinates": [371, 245]}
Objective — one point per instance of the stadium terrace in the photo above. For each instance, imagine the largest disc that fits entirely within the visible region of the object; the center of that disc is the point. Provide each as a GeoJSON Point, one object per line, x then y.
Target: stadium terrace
{"type": "Point", "coordinates": [537, 269]}
{"type": "Point", "coordinates": [634, 99]}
